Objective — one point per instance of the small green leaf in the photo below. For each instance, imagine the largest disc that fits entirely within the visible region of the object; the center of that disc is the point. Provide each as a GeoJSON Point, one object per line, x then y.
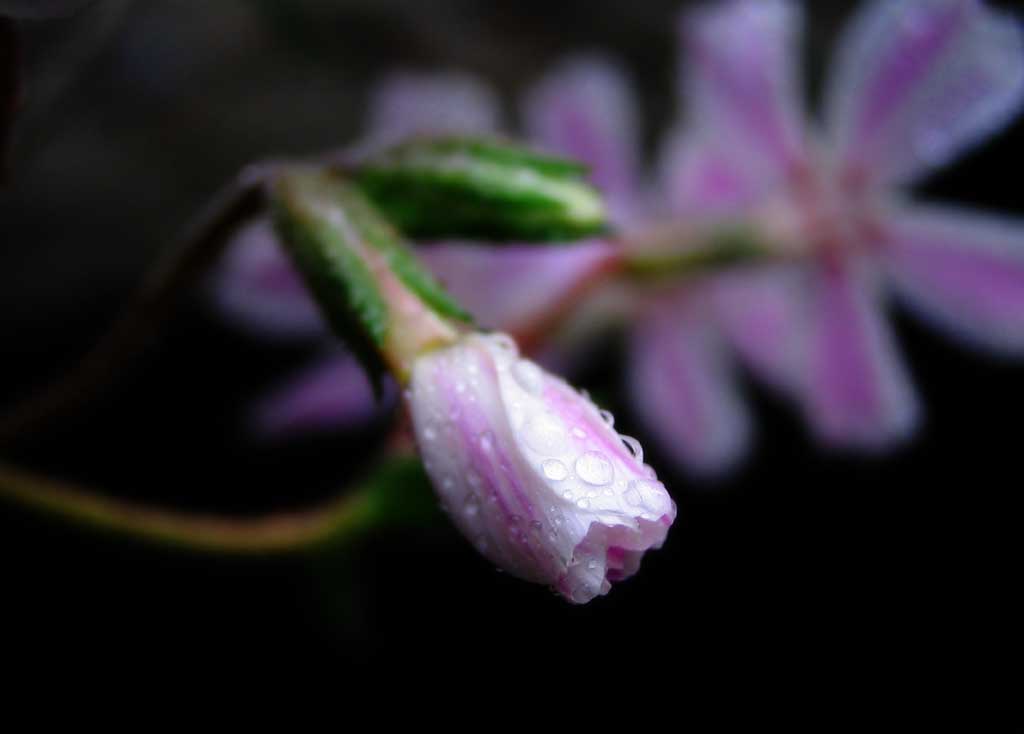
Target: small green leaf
{"type": "Point", "coordinates": [458, 187]}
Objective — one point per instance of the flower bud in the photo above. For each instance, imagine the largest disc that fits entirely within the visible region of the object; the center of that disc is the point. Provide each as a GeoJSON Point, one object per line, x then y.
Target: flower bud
{"type": "Point", "coordinates": [491, 190]}
{"type": "Point", "coordinates": [531, 471]}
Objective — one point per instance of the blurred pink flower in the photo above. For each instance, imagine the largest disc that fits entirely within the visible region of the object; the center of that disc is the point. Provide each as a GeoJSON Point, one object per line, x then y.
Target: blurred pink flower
{"type": "Point", "coordinates": [531, 471]}
{"type": "Point", "coordinates": [914, 83]}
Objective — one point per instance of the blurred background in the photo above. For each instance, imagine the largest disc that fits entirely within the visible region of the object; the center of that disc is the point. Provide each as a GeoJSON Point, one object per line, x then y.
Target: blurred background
{"type": "Point", "coordinates": [135, 113]}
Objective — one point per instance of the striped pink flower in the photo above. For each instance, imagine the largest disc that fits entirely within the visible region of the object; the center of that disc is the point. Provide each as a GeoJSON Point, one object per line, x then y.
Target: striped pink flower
{"type": "Point", "coordinates": [914, 84]}
{"type": "Point", "coordinates": [531, 471]}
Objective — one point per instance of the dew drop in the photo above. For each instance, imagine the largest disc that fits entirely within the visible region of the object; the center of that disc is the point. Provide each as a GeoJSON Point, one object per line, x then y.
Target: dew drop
{"type": "Point", "coordinates": [579, 432]}
{"type": "Point", "coordinates": [583, 503]}
{"type": "Point", "coordinates": [594, 468]}
{"type": "Point", "coordinates": [607, 417]}
{"type": "Point", "coordinates": [537, 525]}
{"type": "Point", "coordinates": [429, 434]}
{"type": "Point", "coordinates": [568, 494]}
{"type": "Point", "coordinates": [634, 448]}
{"type": "Point", "coordinates": [555, 470]}
{"type": "Point", "coordinates": [487, 441]}
{"type": "Point", "coordinates": [632, 495]}
{"type": "Point", "coordinates": [545, 435]}
{"type": "Point", "coordinates": [448, 483]}
{"type": "Point", "coordinates": [529, 376]}
{"type": "Point", "coordinates": [505, 343]}
{"type": "Point", "coordinates": [472, 507]}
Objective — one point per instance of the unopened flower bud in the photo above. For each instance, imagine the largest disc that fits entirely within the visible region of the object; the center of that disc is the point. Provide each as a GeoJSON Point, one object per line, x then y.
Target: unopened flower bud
{"type": "Point", "coordinates": [458, 187]}
{"type": "Point", "coordinates": [531, 471]}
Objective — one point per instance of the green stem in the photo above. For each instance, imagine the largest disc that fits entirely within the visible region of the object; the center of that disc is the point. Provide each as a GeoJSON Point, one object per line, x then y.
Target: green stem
{"type": "Point", "coordinates": [198, 249]}
{"type": "Point", "coordinates": [338, 519]}
{"type": "Point", "coordinates": [677, 248]}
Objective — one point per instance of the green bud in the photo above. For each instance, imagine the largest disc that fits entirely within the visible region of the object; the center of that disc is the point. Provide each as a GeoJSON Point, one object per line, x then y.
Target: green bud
{"type": "Point", "coordinates": [458, 187]}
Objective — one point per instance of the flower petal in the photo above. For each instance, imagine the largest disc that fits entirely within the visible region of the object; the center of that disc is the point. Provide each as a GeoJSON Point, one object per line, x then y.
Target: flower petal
{"type": "Point", "coordinates": [742, 80]}
{"type": "Point", "coordinates": [682, 386]}
{"type": "Point", "coordinates": [858, 393]}
{"type": "Point", "coordinates": [962, 271]}
{"type": "Point", "coordinates": [531, 472]}
{"type": "Point", "coordinates": [415, 103]}
{"type": "Point", "coordinates": [256, 287]}
{"type": "Point", "coordinates": [333, 394]}
{"type": "Point", "coordinates": [511, 287]}
{"type": "Point", "coordinates": [917, 82]}
{"type": "Point", "coordinates": [701, 177]}
{"type": "Point", "coordinates": [585, 109]}
{"type": "Point", "coordinates": [761, 312]}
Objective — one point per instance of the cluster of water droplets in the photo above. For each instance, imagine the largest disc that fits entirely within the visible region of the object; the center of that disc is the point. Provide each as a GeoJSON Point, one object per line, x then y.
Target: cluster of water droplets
{"type": "Point", "coordinates": [564, 465]}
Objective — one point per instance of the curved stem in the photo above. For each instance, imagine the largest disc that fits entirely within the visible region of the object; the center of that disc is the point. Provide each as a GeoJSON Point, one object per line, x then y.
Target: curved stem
{"type": "Point", "coordinates": [341, 518]}
{"type": "Point", "coordinates": [198, 249]}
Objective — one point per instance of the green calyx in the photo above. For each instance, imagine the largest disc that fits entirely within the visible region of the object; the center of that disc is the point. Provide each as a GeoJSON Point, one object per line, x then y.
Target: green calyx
{"type": "Point", "coordinates": [474, 188]}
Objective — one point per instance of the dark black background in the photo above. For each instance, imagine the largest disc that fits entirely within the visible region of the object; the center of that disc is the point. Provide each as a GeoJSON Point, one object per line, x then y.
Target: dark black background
{"type": "Point", "coordinates": [804, 559]}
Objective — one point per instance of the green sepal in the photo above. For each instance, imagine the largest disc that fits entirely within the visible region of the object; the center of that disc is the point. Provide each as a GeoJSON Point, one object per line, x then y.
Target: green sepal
{"type": "Point", "coordinates": [330, 229]}
{"type": "Point", "coordinates": [483, 189]}
{"type": "Point", "coordinates": [307, 219]}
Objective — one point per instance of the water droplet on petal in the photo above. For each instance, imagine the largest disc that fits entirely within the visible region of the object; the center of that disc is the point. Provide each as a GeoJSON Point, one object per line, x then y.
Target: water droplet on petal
{"type": "Point", "coordinates": [529, 376]}
{"type": "Point", "coordinates": [505, 343]}
{"type": "Point", "coordinates": [607, 417]}
{"type": "Point", "coordinates": [579, 432]}
{"type": "Point", "coordinates": [632, 495]}
{"type": "Point", "coordinates": [634, 448]}
{"type": "Point", "coordinates": [583, 503]}
{"type": "Point", "coordinates": [555, 470]}
{"type": "Point", "coordinates": [545, 435]}
{"type": "Point", "coordinates": [594, 468]}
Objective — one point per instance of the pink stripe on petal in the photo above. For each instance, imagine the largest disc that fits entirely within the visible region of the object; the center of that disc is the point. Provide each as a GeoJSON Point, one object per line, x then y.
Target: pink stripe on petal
{"type": "Point", "coordinates": [742, 80]}
{"type": "Point", "coordinates": [585, 109]}
{"type": "Point", "coordinates": [701, 177]}
{"type": "Point", "coordinates": [962, 271]}
{"type": "Point", "coordinates": [682, 387]}
{"type": "Point", "coordinates": [333, 394]}
{"type": "Point", "coordinates": [858, 393]}
{"type": "Point", "coordinates": [917, 82]}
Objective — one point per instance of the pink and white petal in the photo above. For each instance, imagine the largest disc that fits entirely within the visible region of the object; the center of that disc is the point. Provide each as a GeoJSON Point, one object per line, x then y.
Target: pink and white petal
{"type": "Point", "coordinates": [256, 287]}
{"type": "Point", "coordinates": [858, 393]}
{"type": "Point", "coordinates": [761, 312]}
{"type": "Point", "coordinates": [408, 103]}
{"type": "Point", "coordinates": [741, 79]}
{"type": "Point", "coordinates": [585, 109]}
{"type": "Point", "coordinates": [916, 83]}
{"type": "Point", "coordinates": [511, 287]}
{"type": "Point", "coordinates": [962, 271]}
{"type": "Point", "coordinates": [701, 177]}
{"type": "Point", "coordinates": [332, 394]}
{"type": "Point", "coordinates": [683, 388]}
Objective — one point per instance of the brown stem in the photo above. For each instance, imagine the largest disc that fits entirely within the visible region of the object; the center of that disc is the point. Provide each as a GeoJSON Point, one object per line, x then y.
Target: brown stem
{"type": "Point", "coordinates": [277, 533]}
{"type": "Point", "coordinates": [202, 243]}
